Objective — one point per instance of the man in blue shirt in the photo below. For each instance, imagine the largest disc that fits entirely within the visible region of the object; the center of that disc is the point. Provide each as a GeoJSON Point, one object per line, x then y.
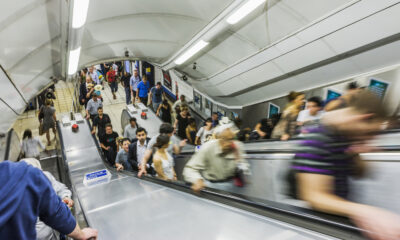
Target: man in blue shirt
{"type": "Point", "coordinates": [156, 94]}
{"type": "Point", "coordinates": [143, 90]}
{"type": "Point", "coordinates": [134, 81]}
{"type": "Point", "coordinates": [25, 195]}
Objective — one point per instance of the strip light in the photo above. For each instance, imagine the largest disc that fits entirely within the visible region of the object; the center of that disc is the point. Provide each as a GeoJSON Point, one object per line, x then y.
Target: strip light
{"type": "Point", "coordinates": [79, 13]}
{"type": "Point", "coordinates": [190, 52]}
{"type": "Point", "coordinates": [244, 11]}
{"type": "Point", "coordinates": [73, 60]}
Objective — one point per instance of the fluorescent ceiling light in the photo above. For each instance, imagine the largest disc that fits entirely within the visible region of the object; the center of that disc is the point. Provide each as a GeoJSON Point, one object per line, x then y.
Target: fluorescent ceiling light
{"type": "Point", "coordinates": [79, 13]}
{"type": "Point", "coordinates": [192, 51]}
{"type": "Point", "coordinates": [73, 60]}
{"type": "Point", "coordinates": [244, 10]}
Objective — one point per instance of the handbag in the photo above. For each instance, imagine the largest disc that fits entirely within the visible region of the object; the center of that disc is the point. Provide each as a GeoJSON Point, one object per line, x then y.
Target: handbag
{"type": "Point", "coordinates": [41, 129]}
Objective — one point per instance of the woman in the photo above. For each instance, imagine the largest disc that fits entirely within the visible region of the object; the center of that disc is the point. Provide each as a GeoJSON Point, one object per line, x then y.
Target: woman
{"type": "Point", "coordinates": [286, 126]}
{"type": "Point", "coordinates": [163, 162]}
{"type": "Point", "coordinates": [30, 145]}
{"type": "Point", "coordinates": [182, 121]}
{"type": "Point", "coordinates": [49, 119]}
{"type": "Point", "coordinates": [205, 133]}
{"type": "Point", "coordinates": [165, 111]}
{"type": "Point", "coordinates": [191, 130]}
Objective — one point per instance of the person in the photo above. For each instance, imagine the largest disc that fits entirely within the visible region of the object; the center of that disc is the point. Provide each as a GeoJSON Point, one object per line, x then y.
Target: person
{"type": "Point", "coordinates": [178, 104]}
{"type": "Point", "coordinates": [156, 96]}
{"type": "Point", "coordinates": [112, 81]}
{"type": "Point", "coordinates": [115, 68]}
{"type": "Point", "coordinates": [49, 94]}
{"type": "Point", "coordinates": [49, 119]}
{"type": "Point", "coordinates": [343, 101]}
{"type": "Point", "coordinates": [30, 145]}
{"type": "Point", "coordinates": [205, 133]}
{"type": "Point", "coordinates": [163, 163]}
{"type": "Point", "coordinates": [27, 195]}
{"type": "Point", "coordinates": [262, 130]}
{"type": "Point", "coordinates": [142, 90]}
{"type": "Point", "coordinates": [92, 107]}
{"type": "Point", "coordinates": [191, 131]}
{"type": "Point", "coordinates": [164, 110]}
{"type": "Point", "coordinates": [86, 90]}
{"type": "Point", "coordinates": [121, 161]}
{"type": "Point", "coordinates": [215, 119]}
{"type": "Point", "coordinates": [100, 122]}
{"type": "Point", "coordinates": [286, 126]}
{"type": "Point", "coordinates": [44, 232]}
{"type": "Point", "coordinates": [328, 155]}
{"type": "Point", "coordinates": [130, 129]}
{"type": "Point", "coordinates": [312, 114]}
{"type": "Point", "coordinates": [133, 83]}
{"type": "Point", "coordinates": [216, 161]}
{"type": "Point", "coordinates": [93, 74]}
{"type": "Point", "coordinates": [108, 143]}
{"type": "Point", "coordinates": [174, 146]}
{"type": "Point", "coordinates": [125, 83]}
{"type": "Point", "coordinates": [182, 121]}
{"type": "Point", "coordinates": [138, 148]}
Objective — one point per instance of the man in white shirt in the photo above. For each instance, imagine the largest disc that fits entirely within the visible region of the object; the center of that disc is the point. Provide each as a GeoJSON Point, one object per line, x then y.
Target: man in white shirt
{"type": "Point", "coordinates": [134, 81]}
{"type": "Point", "coordinates": [312, 114]}
{"type": "Point", "coordinates": [137, 148]}
{"type": "Point", "coordinates": [93, 74]}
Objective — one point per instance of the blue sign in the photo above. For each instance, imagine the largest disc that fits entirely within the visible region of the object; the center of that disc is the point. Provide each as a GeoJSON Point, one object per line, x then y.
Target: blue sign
{"type": "Point", "coordinates": [378, 87]}
{"type": "Point", "coordinates": [332, 95]}
{"type": "Point", "coordinates": [273, 109]}
{"type": "Point", "coordinates": [97, 174]}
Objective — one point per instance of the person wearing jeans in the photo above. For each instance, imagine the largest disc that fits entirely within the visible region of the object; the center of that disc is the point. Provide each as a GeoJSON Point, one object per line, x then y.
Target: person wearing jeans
{"type": "Point", "coordinates": [111, 79]}
{"type": "Point", "coordinates": [125, 80]}
{"type": "Point", "coordinates": [108, 143]}
{"type": "Point", "coordinates": [156, 96]}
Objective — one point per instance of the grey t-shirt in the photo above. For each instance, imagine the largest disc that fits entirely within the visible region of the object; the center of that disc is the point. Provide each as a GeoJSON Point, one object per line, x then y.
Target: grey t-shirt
{"type": "Point", "coordinates": [130, 132]}
{"type": "Point", "coordinates": [204, 134]}
{"type": "Point", "coordinates": [172, 141]}
{"type": "Point", "coordinates": [92, 106]}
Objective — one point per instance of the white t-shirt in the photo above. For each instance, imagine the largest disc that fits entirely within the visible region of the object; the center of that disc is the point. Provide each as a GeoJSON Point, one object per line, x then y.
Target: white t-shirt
{"type": "Point", "coordinates": [204, 134]}
{"type": "Point", "coordinates": [304, 116]}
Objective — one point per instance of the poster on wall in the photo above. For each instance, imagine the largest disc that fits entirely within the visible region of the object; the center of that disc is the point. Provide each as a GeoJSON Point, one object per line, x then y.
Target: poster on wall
{"type": "Point", "coordinates": [208, 107]}
{"type": "Point", "coordinates": [273, 109]}
{"type": "Point", "coordinates": [332, 94]}
{"type": "Point", "coordinates": [197, 100]}
{"type": "Point", "coordinates": [167, 80]}
{"type": "Point", "coordinates": [378, 87]}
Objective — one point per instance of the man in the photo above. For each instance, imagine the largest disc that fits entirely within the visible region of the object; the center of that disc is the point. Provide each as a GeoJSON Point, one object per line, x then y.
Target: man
{"type": "Point", "coordinates": [126, 83]}
{"type": "Point", "coordinates": [138, 148]}
{"type": "Point", "coordinates": [85, 91]}
{"type": "Point", "coordinates": [133, 83]}
{"type": "Point", "coordinates": [142, 90]}
{"type": "Point", "coordinates": [93, 75]}
{"type": "Point", "coordinates": [112, 81]}
{"type": "Point", "coordinates": [216, 161]}
{"type": "Point", "coordinates": [174, 146]}
{"type": "Point", "coordinates": [100, 122]}
{"type": "Point", "coordinates": [26, 195]}
{"type": "Point", "coordinates": [262, 130]}
{"type": "Point", "coordinates": [92, 107]}
{"type": "Point", "coordinates": [177, 105]}
{"type": "Point", "coordinates": [328, 156]}
{"type": "Point", "coordinates": [121, 161]}
{"type": "Point", "coordinates": [215, 119]}
{"type": "Point", "coordinates": [156, 96]}
{"type": "Point", "coordinates": [108, 143]}
{"type": "Point", "coordinates": [130, 129]}
{"type": "Point", "coordinates": [342, 101]}
{"type": "Point", "coordinates": [312, 114]}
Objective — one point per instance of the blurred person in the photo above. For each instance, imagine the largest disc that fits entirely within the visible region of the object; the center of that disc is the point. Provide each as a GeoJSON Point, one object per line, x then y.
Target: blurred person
{"type": "Point", "coordinates": [125, 80]}
{"type": "Point", "coordinates": [205, 133]}
{"type": "Point", "coordinates": [100, 122]}
{"type": "Point", "coordinates": [163, 163]}
{"type": "Point", "coordinates": [130, 129]}
{"type": "Point", "coordinates": [121, 161]}
{"type": "Point", "coordinates": [286, 126]}
{"type": "Point", "coordinates": [86, 90]}
{"type": "Point", "coordinates": [137, 149]}
{"type": "Point", "coordinates": [108, 143]}
{"type": "Point", "coordinates": [174, 146]}
{"type": "Point", "coordinates": [26, 196]}
{"type": "Point", "coordinates": [133, 83]}
{"type": "Point", "coordinates": [328, 156]}
{"type": "Point", "coordinates": [112, 81]}
{"type": "Point", "coordinates": [49, 120]}
{"type": "Point", "coordinates": [115, 68]}
{"type": "Point", "coordinates": [164, 111]}
{"type": "Point", "coordinates": [262, 130]}
{"type": "Point", "coordinates": [342, 101]}
{"type": "Point", "coordinates": [312, 113]}
{"type": "Point", "coordinates": [216, 161]}
{"type": "Point", "coordinates": [30, 145]}
{"type": "Point", "coordinates": [93, 74]}
{"type": "Point", "coordinates": [181, 122]}
{"type": "Point", "coordinates": [191, 131]}
{"type": "Point", "coordinates": [142, 90]}
{"type": "Point", "coordinates": [156, 96]}
{"type": "Point", "coordinates": [215, 119]}
{"type": "Point", "coordinates": [178, 104]}
{"type": "Point", "coordinates": [92, 107]}
{"type": "Point", "coordinates": [43, 231]}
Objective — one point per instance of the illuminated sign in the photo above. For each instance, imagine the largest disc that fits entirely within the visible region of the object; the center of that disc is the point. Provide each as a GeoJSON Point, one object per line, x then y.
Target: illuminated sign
{"type": "Point", "coordinates": [378, 87]}
{"type": "Point", "coordinates": [273, 109]}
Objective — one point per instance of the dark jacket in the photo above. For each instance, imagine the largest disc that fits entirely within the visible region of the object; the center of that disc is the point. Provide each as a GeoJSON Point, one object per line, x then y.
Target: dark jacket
{"type": "Point", "coordinates": [82, 94]}
{"type": "Point", "coordinates": [133, 154]}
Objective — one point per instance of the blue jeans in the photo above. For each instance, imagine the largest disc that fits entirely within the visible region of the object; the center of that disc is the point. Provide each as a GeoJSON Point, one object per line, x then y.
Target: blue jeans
{"type": "Point", "coordinates": [114, 87]}
{"type": "Point", "coordinates": [155, 106]}
{"type": "Point", "coordinates": [128, 95]}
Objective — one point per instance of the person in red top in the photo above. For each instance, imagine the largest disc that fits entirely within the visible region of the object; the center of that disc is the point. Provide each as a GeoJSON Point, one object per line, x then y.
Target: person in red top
{"type": "Point", "coordinates": [111, 79]}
